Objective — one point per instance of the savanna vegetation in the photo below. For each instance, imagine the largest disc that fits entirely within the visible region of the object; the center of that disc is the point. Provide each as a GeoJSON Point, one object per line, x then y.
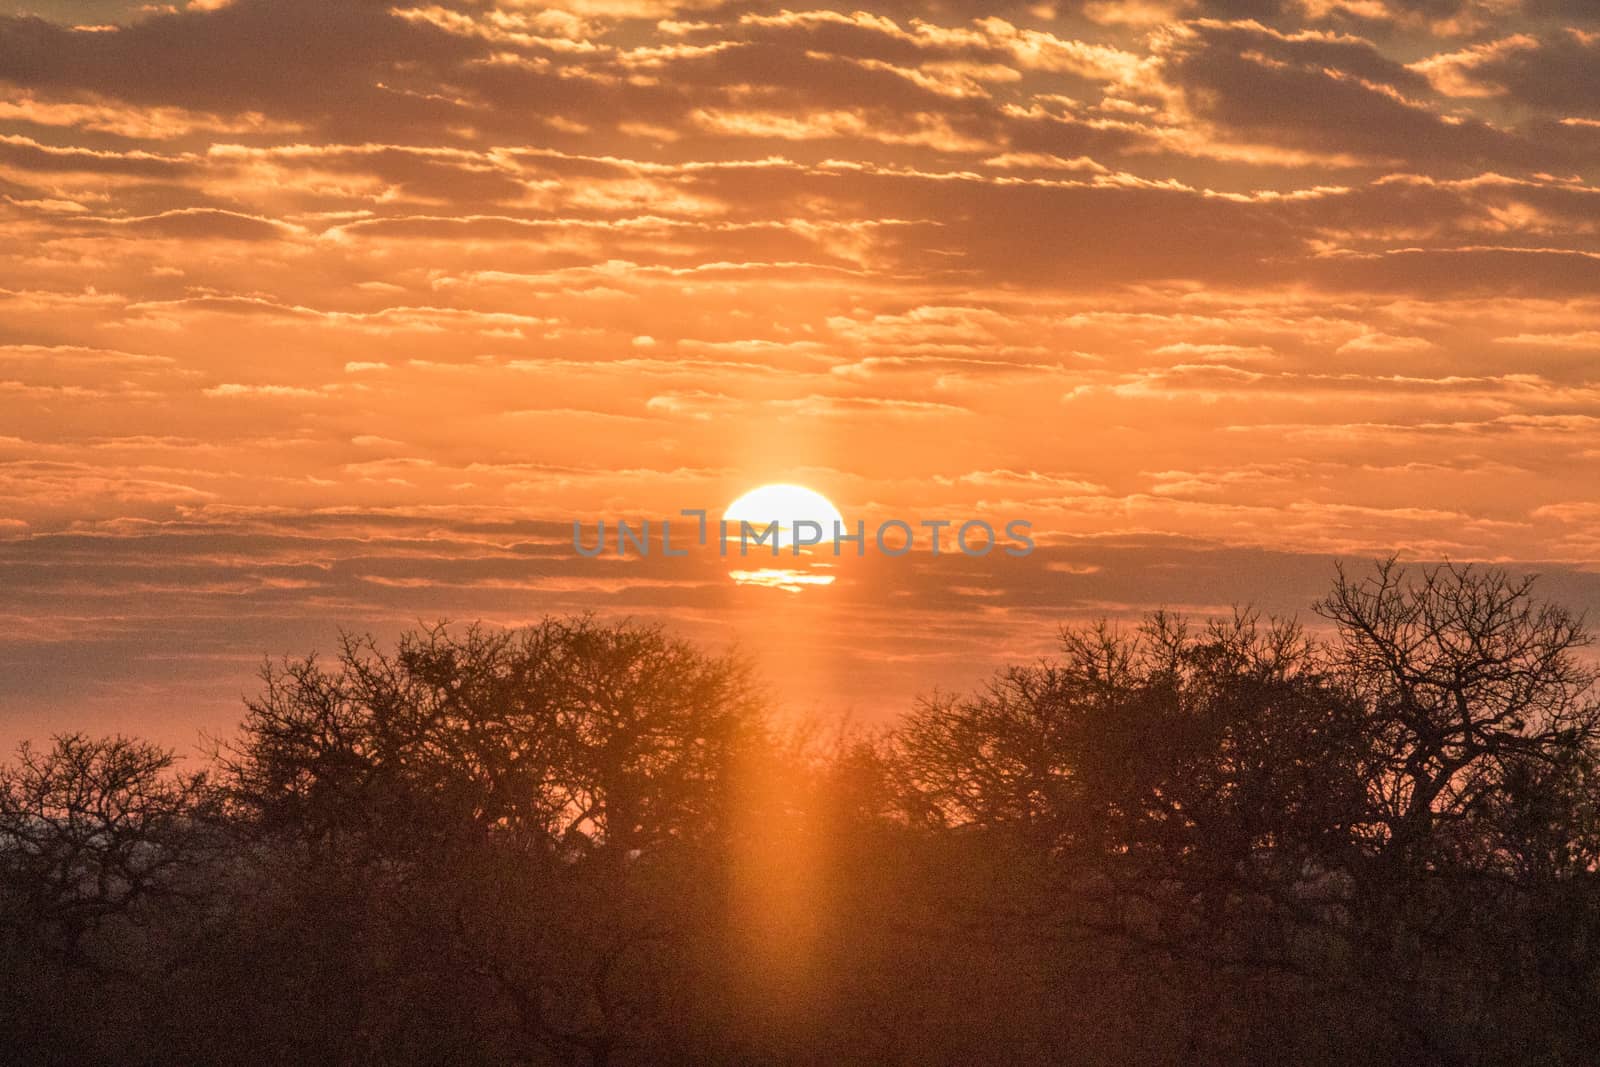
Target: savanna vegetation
{"type": "Point", "coordinates": [588, 844]}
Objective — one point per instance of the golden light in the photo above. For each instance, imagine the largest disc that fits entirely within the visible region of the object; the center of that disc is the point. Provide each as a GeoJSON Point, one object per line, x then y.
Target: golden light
{"type": "Point", "coordinates": [785, 505]}
{"type": "Point", "coordinates": [789, 579]}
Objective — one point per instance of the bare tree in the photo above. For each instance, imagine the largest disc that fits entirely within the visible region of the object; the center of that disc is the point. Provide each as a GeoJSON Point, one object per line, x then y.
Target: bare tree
{"type": "Point", "coordinates": [1468, 678]}
{"type": "Point", "coordinates": [89, 830]}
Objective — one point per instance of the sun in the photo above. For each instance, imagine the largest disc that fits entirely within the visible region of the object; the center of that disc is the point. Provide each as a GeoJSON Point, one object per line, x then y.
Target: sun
{"type": "Point", "coordinates": [786, 505]}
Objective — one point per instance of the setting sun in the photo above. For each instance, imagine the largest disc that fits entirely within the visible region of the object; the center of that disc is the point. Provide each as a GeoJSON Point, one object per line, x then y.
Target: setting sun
{"type": "Point", "coordinates": [785, 505]}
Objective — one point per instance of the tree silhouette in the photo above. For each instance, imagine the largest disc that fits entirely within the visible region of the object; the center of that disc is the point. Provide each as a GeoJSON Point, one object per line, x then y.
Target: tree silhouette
{"type": "Point", "coordinates": [1485, 718]}
{"type": "Point", "coordinates": [102, 841]}
{"type": "Point", "coordinates": [90, 830]}
{"type": "Point", "coordinates": [468, 773]}
{"type": "Point", "coordinates": [1466, 677]}
{"type": "Point", "coordinates": [582, 843]}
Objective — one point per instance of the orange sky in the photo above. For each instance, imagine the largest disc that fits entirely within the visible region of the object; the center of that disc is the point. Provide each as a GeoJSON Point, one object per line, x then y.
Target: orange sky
{"type": "Point", "coordinates": [333, 312]}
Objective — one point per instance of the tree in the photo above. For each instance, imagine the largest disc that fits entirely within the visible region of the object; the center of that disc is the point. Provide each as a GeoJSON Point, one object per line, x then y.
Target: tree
{"type": "Point", "coordinates": [1477, 904]}
{"type": "Point", "coordinates": [528, 804]}
{"type": "Point", "coordinates": [581, 844]}
{"type": "Point", "coordinates": [569, 734]}
{"type": "Point", "coordinates": [1211, 757]}
{"type": "Point", "coordinates": [1467, 679]}
{"type": "Point", "coordinates": [103, 842]}
{"type": "Point", "coordinates": [91, 830]}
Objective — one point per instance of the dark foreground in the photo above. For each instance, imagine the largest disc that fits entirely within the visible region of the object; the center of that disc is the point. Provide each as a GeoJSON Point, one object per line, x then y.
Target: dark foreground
{"type": "Point", "coordinates": [585, 844]}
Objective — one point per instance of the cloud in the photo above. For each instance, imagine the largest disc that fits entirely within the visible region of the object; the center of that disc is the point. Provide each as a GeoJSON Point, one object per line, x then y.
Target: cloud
{"type": "Point", "coordinates": [1312, 91]}
{"type": "Point", "coordinates": [1556, 73]}
{"type": "Point", "coordinates": [338, 312]}
{"type": "Point", "coordinates": [279, 57]}
{"type": "Point", "coordinates": [232, 389]}
{"type": "Point", "coordinates": [200, 224]}
{"type": "Point", "coordinates": [25, 153]}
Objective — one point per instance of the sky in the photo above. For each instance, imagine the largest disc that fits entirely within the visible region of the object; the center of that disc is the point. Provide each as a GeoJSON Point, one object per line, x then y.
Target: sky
{"type": "Point", "coordinates": [336, 314]}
